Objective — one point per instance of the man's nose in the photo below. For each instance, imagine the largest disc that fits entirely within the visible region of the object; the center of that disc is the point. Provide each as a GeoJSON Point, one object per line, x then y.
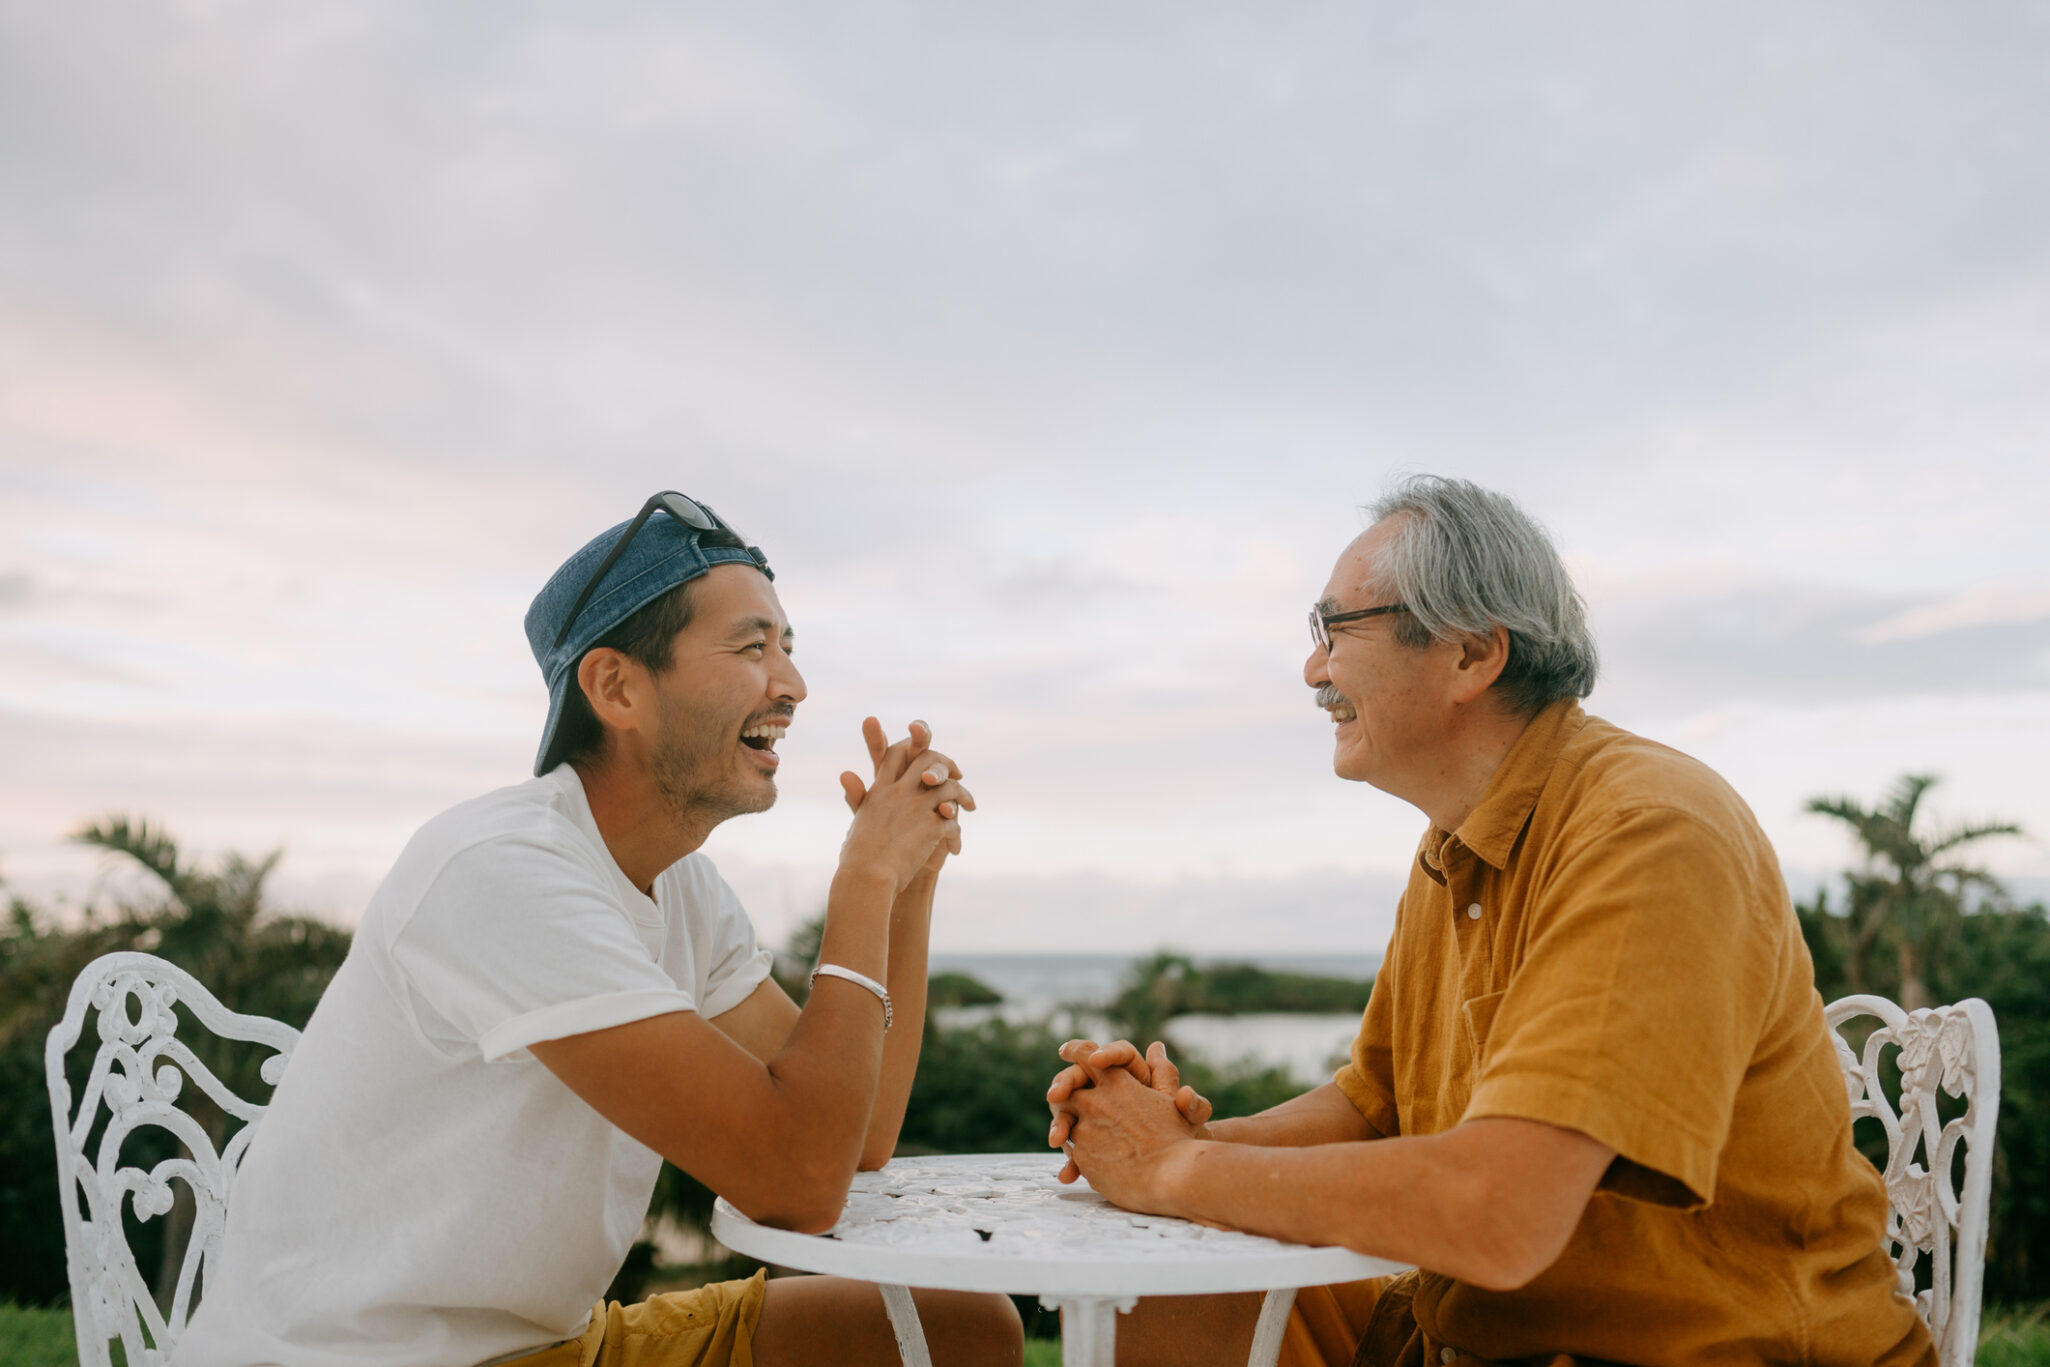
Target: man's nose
{"type": "Point", "coordinates": [1317, 669]}
{"type": "Point", "coordinates": [787, 682]}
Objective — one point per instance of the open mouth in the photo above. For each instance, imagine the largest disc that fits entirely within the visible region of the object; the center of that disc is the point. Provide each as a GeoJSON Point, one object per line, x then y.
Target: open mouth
{"type": "Point", "coordinates": [762, 736]}
{"type": "Point", "coordinates": [1343, 712]}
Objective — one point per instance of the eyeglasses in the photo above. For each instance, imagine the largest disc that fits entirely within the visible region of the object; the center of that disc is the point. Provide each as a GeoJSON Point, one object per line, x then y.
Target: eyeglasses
{"type": "Point", "coordinates": [712, 530]}
{"type": "Point", "coordinates": [1321, 621]}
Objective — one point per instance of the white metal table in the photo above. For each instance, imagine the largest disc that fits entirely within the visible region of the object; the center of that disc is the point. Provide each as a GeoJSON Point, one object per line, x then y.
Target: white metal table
{"type": "Point", "coordinates": [1000, 1222]}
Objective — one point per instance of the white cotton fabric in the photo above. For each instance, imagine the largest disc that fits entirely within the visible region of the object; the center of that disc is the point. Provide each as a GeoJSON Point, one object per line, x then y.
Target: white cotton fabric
{"type": "Point", "coordinates": [422, 1190]}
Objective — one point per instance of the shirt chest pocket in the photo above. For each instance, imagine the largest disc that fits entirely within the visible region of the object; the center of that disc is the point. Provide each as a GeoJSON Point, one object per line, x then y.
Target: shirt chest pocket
{"type": "Point", "coordinates": [1477, 1019]}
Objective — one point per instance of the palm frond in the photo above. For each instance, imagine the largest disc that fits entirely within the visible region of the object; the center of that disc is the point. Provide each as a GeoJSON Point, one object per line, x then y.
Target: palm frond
{"type": "Point", "coordinates": [1907, 796]}
{"type": "Point", "coordinates": [143, 842]}
{"type": "Point", "coordinates": [1966, 834]}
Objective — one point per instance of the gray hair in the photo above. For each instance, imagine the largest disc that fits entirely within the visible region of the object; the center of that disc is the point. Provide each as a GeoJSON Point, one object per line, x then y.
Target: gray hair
{"type": "Point", "coordinates": [1465, 561]}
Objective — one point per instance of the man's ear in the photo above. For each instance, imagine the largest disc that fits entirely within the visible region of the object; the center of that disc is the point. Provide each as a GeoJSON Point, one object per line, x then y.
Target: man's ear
{"type": "Point", "coordinates": [1481, 661]}
{"type": "Point", "coordinates": [612, 684]}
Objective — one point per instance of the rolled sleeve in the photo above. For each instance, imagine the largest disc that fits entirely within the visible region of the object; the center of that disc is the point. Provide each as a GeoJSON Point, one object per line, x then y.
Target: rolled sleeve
{"type": "Point", "coordinates": [1367, 1078]}
{"type": "Point", "coordinates": [564, 1019]}
{"type": "Point", "coordinates": [517, 942]}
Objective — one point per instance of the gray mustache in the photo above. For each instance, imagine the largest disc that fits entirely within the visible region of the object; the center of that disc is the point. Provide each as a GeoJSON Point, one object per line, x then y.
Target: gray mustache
{"type": "Point", "coordinates": [1329, 697]}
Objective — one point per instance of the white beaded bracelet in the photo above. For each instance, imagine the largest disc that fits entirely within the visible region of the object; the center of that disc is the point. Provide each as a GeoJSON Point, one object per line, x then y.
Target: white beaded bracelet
{"type": "Point", "coordinates": [860, 980]}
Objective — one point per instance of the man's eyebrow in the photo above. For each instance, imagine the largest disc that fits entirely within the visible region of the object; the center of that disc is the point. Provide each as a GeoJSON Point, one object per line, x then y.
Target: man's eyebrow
{"type": "Point", "coordinates": [750, 626]}
{"type": "Point", "coordinates": [1326, 605]}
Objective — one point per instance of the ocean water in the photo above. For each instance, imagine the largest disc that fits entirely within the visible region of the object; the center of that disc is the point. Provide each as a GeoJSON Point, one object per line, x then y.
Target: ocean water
{"type": "Point", "coordinates": [1070, 989]}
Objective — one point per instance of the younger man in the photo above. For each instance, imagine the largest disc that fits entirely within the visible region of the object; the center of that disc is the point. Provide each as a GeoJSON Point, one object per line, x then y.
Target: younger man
{"type": "Point", "coordinates": [552, 992]}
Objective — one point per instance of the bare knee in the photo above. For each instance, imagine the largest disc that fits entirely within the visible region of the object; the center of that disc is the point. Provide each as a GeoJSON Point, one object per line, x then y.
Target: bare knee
{"type": "Point", "coordinates": [970, 1329]}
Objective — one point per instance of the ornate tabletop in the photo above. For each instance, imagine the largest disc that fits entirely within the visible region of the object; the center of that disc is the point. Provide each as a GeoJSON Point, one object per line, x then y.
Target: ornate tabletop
{"type": "Point", "coordinates": [1000, 1222]}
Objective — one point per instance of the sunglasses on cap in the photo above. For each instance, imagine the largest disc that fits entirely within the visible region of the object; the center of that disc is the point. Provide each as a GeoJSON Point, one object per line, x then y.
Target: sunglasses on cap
{"type": "Point", "coordinates": [711, 529]}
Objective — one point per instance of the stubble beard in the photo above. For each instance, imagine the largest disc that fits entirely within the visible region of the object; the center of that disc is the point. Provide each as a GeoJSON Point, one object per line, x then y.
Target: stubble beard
{"type": "Point", "coordinates": [694, 774]}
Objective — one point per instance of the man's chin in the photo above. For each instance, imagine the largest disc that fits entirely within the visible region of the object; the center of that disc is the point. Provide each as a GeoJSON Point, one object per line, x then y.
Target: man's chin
{"type": "Point", "coordinates": [724, 802]}
{"type": "Point", "coordinates": [1350, 766]}
{"type": "Point", "coordinates": [757, 795]}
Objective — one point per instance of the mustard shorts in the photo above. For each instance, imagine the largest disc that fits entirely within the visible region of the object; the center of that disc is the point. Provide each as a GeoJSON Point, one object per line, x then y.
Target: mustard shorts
{"type": "Point", "coordinates": [713, 1326]}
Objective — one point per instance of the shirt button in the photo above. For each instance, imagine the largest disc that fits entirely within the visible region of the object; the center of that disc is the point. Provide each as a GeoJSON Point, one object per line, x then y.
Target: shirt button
{"type": "Point", "coordinates": [1447, 1354]}
{"type": "Point", "coordinates": [1473, 913]}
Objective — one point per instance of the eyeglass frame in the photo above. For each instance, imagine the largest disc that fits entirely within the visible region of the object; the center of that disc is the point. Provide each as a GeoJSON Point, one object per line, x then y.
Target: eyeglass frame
{"type": "Point", "coordinates": [685, 509]}
{"type": "Point", "coordinates": [1321, 621]}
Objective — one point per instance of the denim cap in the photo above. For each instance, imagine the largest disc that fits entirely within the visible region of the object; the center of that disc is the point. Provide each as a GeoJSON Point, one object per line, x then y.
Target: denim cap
{"type": "Point", "coordinates": [663, 554]}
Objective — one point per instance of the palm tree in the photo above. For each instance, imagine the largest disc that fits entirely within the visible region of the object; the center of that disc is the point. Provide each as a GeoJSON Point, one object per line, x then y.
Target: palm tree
{"type": "Point", "coordinates": [213, 924]}
{"type": "Point", "coordinates": [1912, 890]}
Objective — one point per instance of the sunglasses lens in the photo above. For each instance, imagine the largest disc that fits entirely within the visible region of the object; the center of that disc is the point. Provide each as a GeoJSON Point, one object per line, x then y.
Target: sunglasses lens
{"type": "Point", "coordinates": [687, 512]}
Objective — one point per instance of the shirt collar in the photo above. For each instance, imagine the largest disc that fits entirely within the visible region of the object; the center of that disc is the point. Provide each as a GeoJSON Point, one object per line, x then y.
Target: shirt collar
{"type": "Point", "coordinates": [576, 805]}
{"type": "Point", "coordinates": [1492, 828]}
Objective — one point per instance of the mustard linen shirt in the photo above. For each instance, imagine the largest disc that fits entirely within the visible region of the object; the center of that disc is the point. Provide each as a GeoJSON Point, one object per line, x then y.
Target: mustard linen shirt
{"type": "Point", "coordinates": [1607, 944]}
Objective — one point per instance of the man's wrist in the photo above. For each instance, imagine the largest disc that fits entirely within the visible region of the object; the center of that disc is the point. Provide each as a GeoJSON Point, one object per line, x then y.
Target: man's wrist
{"type": "Point", "coordinates": [1176, 1176]}
{"type": "Point", "coordinates": [916, 895]}
{"type": "Point", "coordinates": [866, 882]}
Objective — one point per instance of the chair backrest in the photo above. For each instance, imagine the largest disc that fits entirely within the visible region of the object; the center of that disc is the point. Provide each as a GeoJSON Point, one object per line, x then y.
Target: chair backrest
{"type": "Point", "coordinates": [138, 1074]}
{"type": "Point", "coordinates": [1955, 1049]}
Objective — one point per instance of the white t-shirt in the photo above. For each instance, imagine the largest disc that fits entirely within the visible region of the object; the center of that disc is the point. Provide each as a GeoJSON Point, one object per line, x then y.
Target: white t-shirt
{"type": "Point", "coordinates": [422, 1190]}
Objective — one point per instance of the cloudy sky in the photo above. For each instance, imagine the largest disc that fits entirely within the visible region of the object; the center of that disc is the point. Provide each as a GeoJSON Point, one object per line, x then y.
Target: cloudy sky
{"type": "Point", "coordinates": [1049, 351]}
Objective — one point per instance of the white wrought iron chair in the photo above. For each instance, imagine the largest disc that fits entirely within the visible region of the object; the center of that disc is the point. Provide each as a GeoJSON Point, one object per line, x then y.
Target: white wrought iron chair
{"type": "Point", "coordinates": [138, 1073]}
{"type": "Point", "coordinates": [1954, 1049]}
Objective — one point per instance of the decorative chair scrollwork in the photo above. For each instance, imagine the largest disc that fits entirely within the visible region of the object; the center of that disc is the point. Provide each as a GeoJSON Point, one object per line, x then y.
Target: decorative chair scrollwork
{"type": "Point", "coordinates": [1952, 1049]}
{"type": "Point", "coordinates": [138, 1074]}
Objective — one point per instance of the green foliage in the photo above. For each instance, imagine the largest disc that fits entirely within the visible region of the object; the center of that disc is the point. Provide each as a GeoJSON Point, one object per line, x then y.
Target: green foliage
{"type": "Point", "coordinates": [1156, 990]}
{"type": "Point", "coordinates": [1911, 901]}
{"type": "Point", "coordinates": [1908, 900]}
{"type": "Point", "coordinates": [959, 989]}
{"type": "Point", "coordinates": [210, 921]}
{"type": "Point", "coordinates": [1241, 1089]}
{"type": "Point", "coordinates": [981, 1089]}
{"type": "Point", "coordinates": [2003, 957]}
{"type": "Point", "coordinates": [2015, 1337]}
{"type": "Point", "coordinates": [794, 961]}
{"type": "Point", "coordinates": [37, 1338]}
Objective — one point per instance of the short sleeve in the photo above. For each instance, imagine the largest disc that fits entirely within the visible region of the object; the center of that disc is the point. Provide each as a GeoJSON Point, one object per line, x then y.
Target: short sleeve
{"type": "Point", "coordinates": [1367, 1078]}
{"type": "Point", "coordinates": [732, 963]}
{"type": "Point", "coordinates": [1638, 1006]}
{"type": "Point", "coordinates": [517, 942]}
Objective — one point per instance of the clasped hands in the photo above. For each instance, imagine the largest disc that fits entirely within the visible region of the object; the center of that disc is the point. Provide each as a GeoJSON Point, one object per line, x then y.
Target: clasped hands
{"type": "Point", "coordinates": [1122, 1117]}
{"type": "Point", "coordinates": [908, 817]}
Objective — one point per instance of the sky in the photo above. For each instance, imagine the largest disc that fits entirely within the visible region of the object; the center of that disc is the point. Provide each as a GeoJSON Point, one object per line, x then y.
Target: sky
{"type": "Point", "coordinates": [1050, 354]}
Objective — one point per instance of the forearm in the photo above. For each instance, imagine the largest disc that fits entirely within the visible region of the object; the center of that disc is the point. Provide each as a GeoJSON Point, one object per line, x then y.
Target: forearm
{"type": "Point", "coordinates": [910, 934]}
{"type": "Point", "coordinates": [826, 1073]}
{"type": "Point", "coordinates": [1319, 1116]}
{"type": "Point", "coordinates": [1435, 1201]}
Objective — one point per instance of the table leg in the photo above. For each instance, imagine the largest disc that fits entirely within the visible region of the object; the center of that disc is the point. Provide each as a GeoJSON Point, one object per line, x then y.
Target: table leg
{"type": "Point", "coordinates": [1089, 1327]}
{"type": "Point", "coordinates": [904, 1324]}
{"type": "Point", "coordinates": [1273, 1324]}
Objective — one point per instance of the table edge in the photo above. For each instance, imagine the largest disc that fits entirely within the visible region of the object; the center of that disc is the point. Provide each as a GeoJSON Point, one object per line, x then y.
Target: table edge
{"type": "Point", "coordinates": [1297, 1266]}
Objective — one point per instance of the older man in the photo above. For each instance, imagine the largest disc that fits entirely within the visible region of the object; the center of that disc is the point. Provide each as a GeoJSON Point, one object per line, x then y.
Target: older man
{"type": "Point", "coordinates": [1593, 1098]}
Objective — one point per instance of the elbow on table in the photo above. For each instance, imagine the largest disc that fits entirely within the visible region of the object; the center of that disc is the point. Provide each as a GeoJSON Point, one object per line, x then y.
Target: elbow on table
{"type": "Point", "coordinates": [798, 1195]}
{"type": "Point", "coordinates": [801, 1212]}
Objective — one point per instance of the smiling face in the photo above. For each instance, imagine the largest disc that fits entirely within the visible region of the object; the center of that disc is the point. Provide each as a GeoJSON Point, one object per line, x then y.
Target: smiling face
{"type": "Point", "coordinates": [1389, 702]}
{"type": "Point", "coordinates": [728, 695]}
